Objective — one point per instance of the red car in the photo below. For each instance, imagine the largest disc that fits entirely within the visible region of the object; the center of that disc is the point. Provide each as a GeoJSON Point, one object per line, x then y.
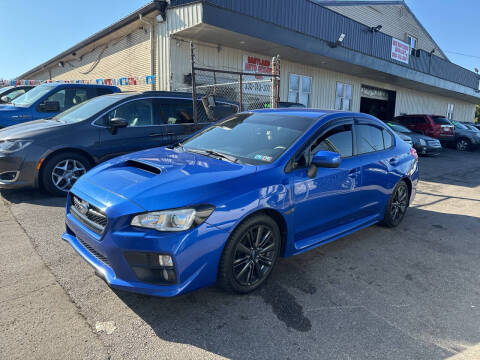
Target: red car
{"type": "Point", "coordinates": [436, 126]}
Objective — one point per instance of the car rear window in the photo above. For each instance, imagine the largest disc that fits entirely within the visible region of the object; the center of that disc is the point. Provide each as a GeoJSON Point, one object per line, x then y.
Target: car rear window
{"type": "Point", "coordinates": [441, 121]}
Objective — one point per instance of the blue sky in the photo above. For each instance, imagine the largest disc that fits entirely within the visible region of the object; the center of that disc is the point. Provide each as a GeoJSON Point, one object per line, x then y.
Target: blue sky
{"type": "Point", "coordinates": [34, 31]}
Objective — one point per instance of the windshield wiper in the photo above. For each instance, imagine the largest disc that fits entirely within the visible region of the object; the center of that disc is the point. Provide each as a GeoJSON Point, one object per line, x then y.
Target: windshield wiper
{"type": "Point", "coordinates": [214, 154]}
{"type": "Point", "coordinates": [223, 156]}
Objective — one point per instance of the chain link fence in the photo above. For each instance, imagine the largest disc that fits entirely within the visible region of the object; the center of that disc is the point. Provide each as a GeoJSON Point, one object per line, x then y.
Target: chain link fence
{"type": "Point", "coordinates": [249, 91]}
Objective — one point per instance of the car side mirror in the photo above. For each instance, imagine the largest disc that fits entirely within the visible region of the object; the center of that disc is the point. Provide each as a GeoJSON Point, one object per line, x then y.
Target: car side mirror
{"type": "Point", "coordinates": [49, 106]}
{"type": "Point", "coordinates": [324, 159]}
{"type": "Point", "coordinates": [5, 99]}
{"type": "Point", "coordinates": [117, 123]}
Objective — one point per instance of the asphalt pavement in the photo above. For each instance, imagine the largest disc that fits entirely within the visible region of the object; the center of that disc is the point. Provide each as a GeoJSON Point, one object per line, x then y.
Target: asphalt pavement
{"type": "Point", "coordinates": [407, 293]}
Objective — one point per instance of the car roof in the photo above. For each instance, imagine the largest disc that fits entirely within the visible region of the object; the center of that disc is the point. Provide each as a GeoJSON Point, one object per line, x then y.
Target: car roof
{"type": "Point", "coordinates": [313, 113]}
{"type": "Point", "coordinates": [55, 84]}
{"type": "Point", "coordinates": [165, 94]}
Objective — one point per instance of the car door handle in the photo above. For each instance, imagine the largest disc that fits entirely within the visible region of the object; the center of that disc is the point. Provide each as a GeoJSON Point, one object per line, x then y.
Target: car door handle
{"type": "Point", "coordinates": [155, 134]}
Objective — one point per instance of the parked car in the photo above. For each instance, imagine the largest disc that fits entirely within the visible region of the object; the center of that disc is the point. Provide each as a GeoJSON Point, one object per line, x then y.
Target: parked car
{"type": "Point", "coordinates": [424, 145]}
{"type": "Point", "coordinates": [466, 139]}
{"type": "Point", "coordinates": [54, 153]}
{"type": "Point", "coordinates": [472, 126]}
{"type": "Point", "coordinates": [9, 93]}
{"type": "Point", "coordinates": [226, 203]}
{"type": "Point", "coordinates": [434, 126]}
{"type": "Point", "coordinates": [48, 100]}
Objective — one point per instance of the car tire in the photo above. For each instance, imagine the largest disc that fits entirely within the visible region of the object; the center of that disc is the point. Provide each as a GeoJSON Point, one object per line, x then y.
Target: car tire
{"type": "Point", "coordinates": [245, 265]}
{"type": "Point", "coordinates": [397, 205]}
{"type": "Point", "coordinates": [68, 165]}
{"type": "Point", "coordinates": [463, 144]}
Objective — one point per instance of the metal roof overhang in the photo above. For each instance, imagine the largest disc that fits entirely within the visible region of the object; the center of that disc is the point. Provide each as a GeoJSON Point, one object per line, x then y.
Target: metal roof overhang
{"type": "Point", "coordinates": [226, 28]}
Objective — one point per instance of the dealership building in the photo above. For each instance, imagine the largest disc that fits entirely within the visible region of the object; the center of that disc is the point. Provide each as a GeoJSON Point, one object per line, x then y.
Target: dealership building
{"type": "Point", "coordinates": [369, 56]}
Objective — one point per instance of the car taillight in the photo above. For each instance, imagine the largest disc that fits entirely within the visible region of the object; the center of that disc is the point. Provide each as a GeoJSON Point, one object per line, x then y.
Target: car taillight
{"type": "Point", "coordinates": [413, 152]}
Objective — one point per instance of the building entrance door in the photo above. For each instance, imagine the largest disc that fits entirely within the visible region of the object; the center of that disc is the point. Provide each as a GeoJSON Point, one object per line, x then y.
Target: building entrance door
{"type": "Point", "coordinates": [378, 102]}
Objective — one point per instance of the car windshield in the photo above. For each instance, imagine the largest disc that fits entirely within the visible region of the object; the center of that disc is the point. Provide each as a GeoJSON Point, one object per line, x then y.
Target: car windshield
{"type": "Point", "coordinates": [254, 138]}
{"type": "Point", "coordinates": [460, 125]}
{"type": "Point", "coordinates": [33, 95]}
{"type": "Point", "coordinates": [5, 89]}
{"type": "Point", "coordinates": [86, 109]}
{"type": "Point", "coordinates": [399, 128]}
{"type": "Point", "coordinates": [441, 120]}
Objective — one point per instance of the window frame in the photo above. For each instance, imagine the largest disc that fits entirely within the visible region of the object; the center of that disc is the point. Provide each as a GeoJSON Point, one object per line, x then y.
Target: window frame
{"type": "Point", "coordinates": [343, 97]}
{"type": "Point", "coordinates": [299, 91]}
{"type": "Point", "coordinates": [291, 164]}
{"type": "Point", "coordinates": [410, 36]}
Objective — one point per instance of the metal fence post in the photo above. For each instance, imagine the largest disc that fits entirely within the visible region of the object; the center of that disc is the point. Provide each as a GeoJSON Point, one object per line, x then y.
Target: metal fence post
{"type": "Point", "coordinates": [275, 91]}
{"type": "Point", "coordinates": [194, 84]}
{"type": "Point", "coordinates": [241, 92]}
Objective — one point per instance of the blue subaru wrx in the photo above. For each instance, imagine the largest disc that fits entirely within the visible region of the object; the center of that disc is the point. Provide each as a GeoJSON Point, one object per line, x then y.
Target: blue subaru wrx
{"type": "Point", "coordinates": [222, 206]}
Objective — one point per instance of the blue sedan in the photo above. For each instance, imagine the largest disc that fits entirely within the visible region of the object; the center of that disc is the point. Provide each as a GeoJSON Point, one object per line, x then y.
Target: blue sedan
{"type": "Point", "coordinates": [224, 205]}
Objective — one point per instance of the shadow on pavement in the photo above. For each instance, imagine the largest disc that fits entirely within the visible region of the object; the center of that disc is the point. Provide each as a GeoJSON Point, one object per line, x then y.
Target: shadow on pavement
{"type": "Point", "coordinates": [32, 196]}
{"type": "Point", "coordinates": [379, 293]}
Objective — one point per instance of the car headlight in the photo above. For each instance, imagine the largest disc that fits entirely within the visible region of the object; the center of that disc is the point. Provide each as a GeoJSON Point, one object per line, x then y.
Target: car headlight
{"type": "Point", "coordinates": [11, 146]}
{"type": "Point", "coordinates": [422, 142]}
{"type": "Point", "coordinates": [173, 220]}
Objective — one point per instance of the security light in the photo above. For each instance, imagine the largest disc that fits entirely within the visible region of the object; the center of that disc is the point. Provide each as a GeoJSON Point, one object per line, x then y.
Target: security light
{"type": "Point", "coordinates": [376, 28]}
{"type": "Point", "coordinates": [339, 41]}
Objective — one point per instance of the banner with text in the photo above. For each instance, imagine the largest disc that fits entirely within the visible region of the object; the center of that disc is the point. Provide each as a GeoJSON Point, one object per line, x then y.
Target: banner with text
{"type": "Point", "coordinates": [400, 51]}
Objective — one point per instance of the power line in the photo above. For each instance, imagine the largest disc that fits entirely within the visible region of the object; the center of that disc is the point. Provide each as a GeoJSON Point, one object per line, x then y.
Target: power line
{"type": "Point", "coordinates": [457, 53]}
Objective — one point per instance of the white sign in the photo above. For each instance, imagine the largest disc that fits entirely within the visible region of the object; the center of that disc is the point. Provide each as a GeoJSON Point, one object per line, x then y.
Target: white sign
{"type": "Point", "coordinates": [400, 51]}
{"type": "Point", "coordinates": [257, 85]}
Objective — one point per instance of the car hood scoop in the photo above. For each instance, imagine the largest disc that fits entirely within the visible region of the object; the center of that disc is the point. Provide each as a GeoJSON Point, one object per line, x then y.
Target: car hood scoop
{"type": "Point", "coordinates": [144, 165]}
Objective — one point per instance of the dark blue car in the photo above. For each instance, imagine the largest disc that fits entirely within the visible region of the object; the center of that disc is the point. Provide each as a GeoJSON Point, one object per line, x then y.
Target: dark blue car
{"type": "Point", "coordinates": [223, 206]}
{"type": "Point", "coordinates": [47, 100]}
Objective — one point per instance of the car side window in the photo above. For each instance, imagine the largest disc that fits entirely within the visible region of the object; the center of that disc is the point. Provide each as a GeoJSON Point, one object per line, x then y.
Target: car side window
{"type": "Point", "coordinates": [58, 96]}
{"type": "Point", "coordinates": [178, 112]}
{"type": "Point", "coordinates": [387, 139]}
{"type": "Point", "coordinates": [418, 120]}
{"type": "Point", "coordinates": [137, 113]}
{"type": "Point", "coordinates": [78, 96]}
{"type": "Point", "coordinates": [338, 139]}
{"type": "Point", "coordinates": [369, 139]}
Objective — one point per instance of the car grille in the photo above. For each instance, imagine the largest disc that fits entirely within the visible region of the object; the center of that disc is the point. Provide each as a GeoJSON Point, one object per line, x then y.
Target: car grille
{"type": "Point", "coordinates": [434, 143]}
{"type": "Point", "coordinates": [94, 252]}
{"type": "Point", "coordinates": [90, 216]}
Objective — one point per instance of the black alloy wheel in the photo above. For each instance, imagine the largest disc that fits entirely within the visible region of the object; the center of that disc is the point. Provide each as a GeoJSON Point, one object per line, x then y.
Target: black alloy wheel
{"type": "Point", "coordinates": [463, 144]}
{"type": "Point", "coordinates": [397, 205]}
{"type": "Point", "coordinates": [250, 255]}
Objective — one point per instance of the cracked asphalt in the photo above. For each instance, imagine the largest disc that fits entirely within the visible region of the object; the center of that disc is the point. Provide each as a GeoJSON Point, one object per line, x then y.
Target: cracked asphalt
{"type": "Point", "coordinates": [407, 293]}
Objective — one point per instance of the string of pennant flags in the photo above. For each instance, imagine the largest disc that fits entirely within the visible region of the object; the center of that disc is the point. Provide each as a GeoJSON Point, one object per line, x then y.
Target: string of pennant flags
{"type": "Point", "coordinates": [122, 81]}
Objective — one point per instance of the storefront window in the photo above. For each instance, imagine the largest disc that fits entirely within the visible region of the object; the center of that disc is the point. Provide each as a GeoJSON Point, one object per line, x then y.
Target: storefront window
{"type": "Point", "coordinates": [343, 98]}
{"type": "Point", "coordinates": [450, 109]}
{"type": "Point", "coordinates": [299, 89]}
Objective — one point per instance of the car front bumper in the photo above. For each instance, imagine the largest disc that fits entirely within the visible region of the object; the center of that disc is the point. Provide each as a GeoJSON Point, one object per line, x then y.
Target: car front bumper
{"type": "Point", "coordinates": [25, 171]}
{"type": "Point", "coordinates": [196, 255]}
{"type": "Point", "coordinates": [428, 150]}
